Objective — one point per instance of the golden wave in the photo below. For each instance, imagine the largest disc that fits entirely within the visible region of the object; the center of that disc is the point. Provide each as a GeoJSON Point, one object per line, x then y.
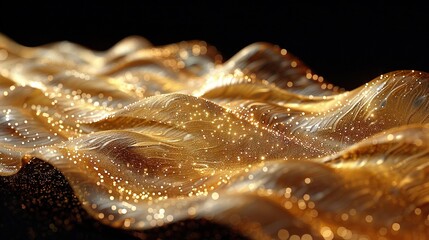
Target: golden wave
{"type": "Point", "coordinates": [150, 135]}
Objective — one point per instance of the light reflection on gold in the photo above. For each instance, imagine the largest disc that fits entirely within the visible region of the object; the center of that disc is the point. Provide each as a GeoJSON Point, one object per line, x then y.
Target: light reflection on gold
{"type": "Point", "coordinates": [152, 135]}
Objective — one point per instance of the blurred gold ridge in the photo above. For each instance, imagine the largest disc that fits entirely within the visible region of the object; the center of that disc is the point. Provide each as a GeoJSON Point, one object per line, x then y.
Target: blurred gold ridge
{"type": "Point", "coordinates": [150, 135]}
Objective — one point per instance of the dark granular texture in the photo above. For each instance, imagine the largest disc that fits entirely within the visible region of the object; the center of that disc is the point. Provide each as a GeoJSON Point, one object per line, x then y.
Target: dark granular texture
{"type": "Point", "coordinates": [38, 203]}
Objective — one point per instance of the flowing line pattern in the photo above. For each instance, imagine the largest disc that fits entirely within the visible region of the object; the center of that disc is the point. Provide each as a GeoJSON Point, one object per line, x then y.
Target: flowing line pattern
{"type": "Point", "coordinates": [151, 135]}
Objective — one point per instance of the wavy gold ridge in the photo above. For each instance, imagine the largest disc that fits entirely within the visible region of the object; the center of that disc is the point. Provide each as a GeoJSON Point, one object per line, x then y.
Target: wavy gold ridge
{"type": "Point", "coordinates": [150, 135]}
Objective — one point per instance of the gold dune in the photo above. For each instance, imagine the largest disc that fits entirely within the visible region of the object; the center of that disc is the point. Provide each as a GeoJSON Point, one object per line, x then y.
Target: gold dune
{"type": "Point", "coordinates": [151, 135]}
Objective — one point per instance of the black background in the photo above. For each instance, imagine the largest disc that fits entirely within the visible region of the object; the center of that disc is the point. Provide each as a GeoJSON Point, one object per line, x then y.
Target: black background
{"type": "Point", "coordinates": [348, 43]}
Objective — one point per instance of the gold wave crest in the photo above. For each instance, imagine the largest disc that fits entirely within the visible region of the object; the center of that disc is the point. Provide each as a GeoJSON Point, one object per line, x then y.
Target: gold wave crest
{"type": "Point", "coordinates": [149, 135]}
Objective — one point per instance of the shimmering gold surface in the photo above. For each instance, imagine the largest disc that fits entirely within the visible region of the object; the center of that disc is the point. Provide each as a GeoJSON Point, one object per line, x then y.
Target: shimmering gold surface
{"type": "Point", "coordinates": [152, 135]}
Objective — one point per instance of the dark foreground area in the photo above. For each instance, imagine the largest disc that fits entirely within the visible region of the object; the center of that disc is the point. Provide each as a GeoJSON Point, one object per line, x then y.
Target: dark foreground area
{"type": "Point", "coordinates": [38, 203]}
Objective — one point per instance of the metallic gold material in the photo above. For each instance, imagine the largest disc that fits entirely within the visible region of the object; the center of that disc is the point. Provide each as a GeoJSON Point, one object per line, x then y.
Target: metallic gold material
{"type": "Point", "coordinates": [151, 135]}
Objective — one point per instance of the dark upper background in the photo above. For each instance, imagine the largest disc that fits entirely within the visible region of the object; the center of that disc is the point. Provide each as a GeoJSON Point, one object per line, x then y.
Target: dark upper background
{"type": "Point", "coordinates": [347, 43]}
